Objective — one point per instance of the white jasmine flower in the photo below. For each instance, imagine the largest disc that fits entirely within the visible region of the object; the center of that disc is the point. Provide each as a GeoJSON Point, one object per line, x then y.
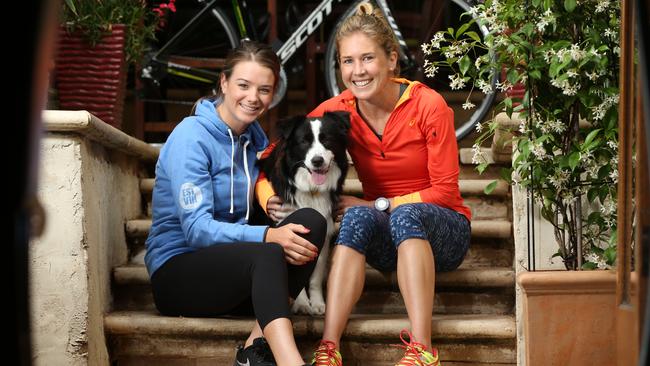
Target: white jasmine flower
{"type": "Point", "coordinates": [602, 6]}
{"type": "Point", "coordinates": [468, 105]}
{"type": "Point", "coordinates": [457, 82]}
{"type": "Point", "coordinates": [613, 175]}
{"type": "Point", "coordinates": [612, 144]}
{"type": "Point", "coordinates": [505, 86]}
{"type": "Point", "coordinates": [477, 155]}
{"type": "Point", "coordinates": [485, 87]}
{"type": "Point", "coordinates": [430, 70]}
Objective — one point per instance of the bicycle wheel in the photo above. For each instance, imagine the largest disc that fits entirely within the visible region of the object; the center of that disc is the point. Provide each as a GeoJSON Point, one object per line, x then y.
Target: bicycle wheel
{"type": "Point", "coordinates": [445, 16]}
{"type": "Point", "coordinates": [191, 53]}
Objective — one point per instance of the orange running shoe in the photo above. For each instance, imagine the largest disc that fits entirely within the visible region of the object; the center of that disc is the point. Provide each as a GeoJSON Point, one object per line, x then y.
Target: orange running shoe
{"type": "Point", "coordinates": [327, 355]}
{"type": "Point", "coordinates": [415, 353]}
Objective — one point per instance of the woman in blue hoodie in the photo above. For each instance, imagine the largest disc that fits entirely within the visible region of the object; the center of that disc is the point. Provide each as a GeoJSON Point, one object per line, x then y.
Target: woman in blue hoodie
{"type": "Point", "coordinates": [204, 257]}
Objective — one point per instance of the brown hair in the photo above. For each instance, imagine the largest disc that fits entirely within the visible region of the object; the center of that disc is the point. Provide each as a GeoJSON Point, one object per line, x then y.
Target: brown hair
{"type": "Point", "coordinates": [371, 22]}
{"type": "Point", "coordinates": [247, 51]}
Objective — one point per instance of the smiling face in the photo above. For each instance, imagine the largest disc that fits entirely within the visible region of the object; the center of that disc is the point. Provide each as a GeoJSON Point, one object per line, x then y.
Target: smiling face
{"type": "Point", "coordinates": [315, 151]}
{"type": "Point", "coordinates": [365, 66]}
{"type": "Point", "coordinates": [246, 94]}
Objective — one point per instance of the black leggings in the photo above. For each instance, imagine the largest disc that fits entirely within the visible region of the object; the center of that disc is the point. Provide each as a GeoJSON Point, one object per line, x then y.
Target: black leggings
{"type": "Point", "coordinates": [237, 278]}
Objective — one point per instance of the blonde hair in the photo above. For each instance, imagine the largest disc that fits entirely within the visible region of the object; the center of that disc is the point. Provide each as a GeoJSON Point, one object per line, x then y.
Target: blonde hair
{"type": "Point", "coordinates": [371, 22]}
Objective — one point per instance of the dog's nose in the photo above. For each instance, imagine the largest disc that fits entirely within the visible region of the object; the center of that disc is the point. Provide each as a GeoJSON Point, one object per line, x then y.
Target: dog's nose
{"type": "Point", "coordinates": [317, 161]}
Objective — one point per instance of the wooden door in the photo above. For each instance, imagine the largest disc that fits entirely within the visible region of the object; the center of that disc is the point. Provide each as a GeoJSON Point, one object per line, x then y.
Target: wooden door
{"type": "Point", "coordinates": [632, 261]}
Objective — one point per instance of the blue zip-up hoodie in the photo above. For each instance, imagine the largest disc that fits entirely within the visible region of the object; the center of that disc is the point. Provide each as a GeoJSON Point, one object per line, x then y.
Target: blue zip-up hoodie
{"type": "Point", "coordinates": [203, 191]}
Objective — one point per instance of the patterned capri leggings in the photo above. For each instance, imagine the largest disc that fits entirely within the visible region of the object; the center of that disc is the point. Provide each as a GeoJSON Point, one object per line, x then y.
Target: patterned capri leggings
{"type": "Point", "coordinates": [377, 234]}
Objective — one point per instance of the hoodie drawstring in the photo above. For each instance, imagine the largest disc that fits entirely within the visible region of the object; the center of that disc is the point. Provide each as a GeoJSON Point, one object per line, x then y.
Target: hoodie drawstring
{"type": "Point", "coordinates": [232, 170]}
{"type": "Point", "coordinates": [248, 180]}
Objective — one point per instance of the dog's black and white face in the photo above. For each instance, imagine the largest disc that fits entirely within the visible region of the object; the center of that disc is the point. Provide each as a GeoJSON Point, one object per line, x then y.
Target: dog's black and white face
{"type": "Point", "coordinates": [318, 142]}
{"type": "Point", "coordinates": [310, 156]}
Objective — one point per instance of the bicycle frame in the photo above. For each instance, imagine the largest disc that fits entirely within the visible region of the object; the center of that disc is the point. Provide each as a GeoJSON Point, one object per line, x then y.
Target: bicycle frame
{"type": "Point", "coordinates": [287, 49]}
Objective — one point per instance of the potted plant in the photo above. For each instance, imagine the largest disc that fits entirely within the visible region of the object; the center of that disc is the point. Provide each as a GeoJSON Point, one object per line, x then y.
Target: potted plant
{"type": "Point", "coordinates": [97, 41]}
{"type": "Point", "coordinates": [566, 54]}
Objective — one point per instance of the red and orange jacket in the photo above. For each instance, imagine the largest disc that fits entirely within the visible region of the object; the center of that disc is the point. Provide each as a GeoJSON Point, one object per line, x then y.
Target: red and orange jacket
{"type": "Point", "coordinates": [415, 161]}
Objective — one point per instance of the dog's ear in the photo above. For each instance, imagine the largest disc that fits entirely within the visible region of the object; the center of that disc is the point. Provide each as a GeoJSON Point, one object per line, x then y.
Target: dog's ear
{"type": "Point", "coordinates": [286, 126]}
{"type": "Point", "coordinates": [341, 117]}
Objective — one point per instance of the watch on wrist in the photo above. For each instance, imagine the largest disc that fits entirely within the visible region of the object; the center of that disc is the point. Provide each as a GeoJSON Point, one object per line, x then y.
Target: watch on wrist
{"type": "Point", "coordinates": [382, 204]}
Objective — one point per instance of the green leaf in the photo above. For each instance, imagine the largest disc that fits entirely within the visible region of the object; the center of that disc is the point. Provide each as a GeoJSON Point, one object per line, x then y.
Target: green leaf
{"type": "Point", "coordinates": [569, 5]}
{"type": "Point", "coordinates": [610, 255]}
{"type": "Point", "coordinates": [481, 167]}
{"type": "Point", "coordinates": [591, 136]}
{"type": "Point", "coordinates": [464, 63]}
{"type": "Point", "coordinates": [490, 187]}
{"type": "Point", "coordinates": [535, 74]}
{"type": "Point", "coordinates": [462, 29]}
{"type": "Point", "coordinates": [508, 103]}
{"type": "Point", "coordinates": [473, 35]}
{"type": "Point", "coordinates": [513, 76]}
{"type": "Point", "coordinates": [589, 265]}
{"type": "Point", "coordinates": [592, 194]}
{"type": "Point", "coordinates": [70, 4]}
{"type": "Point", "coordinates": [574, 159]}
{"type": "Point", "coordinates": [506, 174]}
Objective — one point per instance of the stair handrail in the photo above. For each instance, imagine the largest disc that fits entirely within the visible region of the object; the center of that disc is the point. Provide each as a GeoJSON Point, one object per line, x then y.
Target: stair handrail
{"type": "Point", "coordinates": [87, 124]}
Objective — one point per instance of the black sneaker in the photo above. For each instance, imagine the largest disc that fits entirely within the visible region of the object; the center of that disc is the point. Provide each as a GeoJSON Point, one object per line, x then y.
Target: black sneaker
{"type": "Point", "coordinates": [257, 354]}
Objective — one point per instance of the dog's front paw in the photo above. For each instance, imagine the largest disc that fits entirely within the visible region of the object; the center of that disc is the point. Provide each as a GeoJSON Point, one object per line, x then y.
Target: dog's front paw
{"type": "Point", "coordinates": [302, 304]}
{"type": "Point", "coordinates": [317, 307]}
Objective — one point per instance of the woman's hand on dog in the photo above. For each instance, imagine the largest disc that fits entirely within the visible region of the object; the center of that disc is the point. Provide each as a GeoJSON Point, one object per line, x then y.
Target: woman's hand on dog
{"type": "Point", "coordinates": [277, 210]}
{"type": "Point", "coordinates": [297, 250]}
{"type": "Point", "coordinates": [346, 202]}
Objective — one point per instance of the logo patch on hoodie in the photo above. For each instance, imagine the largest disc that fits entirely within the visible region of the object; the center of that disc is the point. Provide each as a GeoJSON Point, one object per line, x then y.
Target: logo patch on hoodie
{"type": "Point", "coordinates": [190, 196]}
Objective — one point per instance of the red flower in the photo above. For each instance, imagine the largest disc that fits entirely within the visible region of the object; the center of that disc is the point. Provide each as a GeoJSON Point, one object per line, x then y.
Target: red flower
{"type": "Point", "coordinates": [161, 11]}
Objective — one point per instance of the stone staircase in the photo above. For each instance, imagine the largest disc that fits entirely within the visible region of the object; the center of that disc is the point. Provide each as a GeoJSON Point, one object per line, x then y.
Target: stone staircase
{"type": "Point", "coordinates": [473, 321]}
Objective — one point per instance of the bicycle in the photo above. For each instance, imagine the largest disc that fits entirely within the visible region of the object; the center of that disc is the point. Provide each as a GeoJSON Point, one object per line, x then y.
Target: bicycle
{"type": "Point", "coordinates": [197, 59]}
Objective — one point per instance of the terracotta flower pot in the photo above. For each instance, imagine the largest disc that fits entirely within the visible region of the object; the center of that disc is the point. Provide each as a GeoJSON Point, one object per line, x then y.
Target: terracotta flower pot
{"type": "Point", "coordinates": [92, 78]}
{"type": "Point", "coordinates": [569, 317]}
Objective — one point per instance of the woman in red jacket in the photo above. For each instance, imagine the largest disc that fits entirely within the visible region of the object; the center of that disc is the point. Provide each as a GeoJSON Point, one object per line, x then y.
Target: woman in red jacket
{"type": "Point", "coordinates": [412, 218]}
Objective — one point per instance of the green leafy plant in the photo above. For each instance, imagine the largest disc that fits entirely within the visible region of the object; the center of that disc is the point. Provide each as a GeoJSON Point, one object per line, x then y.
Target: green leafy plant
{"type": "Point", "coordinates": [566, 55]}
{"type": "Point", "coordinates": [94, 18]}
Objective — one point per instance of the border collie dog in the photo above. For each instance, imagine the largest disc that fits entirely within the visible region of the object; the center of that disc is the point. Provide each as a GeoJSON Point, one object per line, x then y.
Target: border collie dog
{"type": "Point", "coordinates": [307, 168]}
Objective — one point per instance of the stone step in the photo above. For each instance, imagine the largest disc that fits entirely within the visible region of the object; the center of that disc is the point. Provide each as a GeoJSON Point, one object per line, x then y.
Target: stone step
{"type": "Point", "coordinates": [483, 253]}
{"type": "Point", "coordinates": [474, 291]}
{"type": "Point", "coordinates": [366, 341]}
{"type": "Point", "coordinates": [458, 279]}
{"type": "Point", "coordinates": [483, 206]}
{"type": "Point", "coordinates": [488, 301]}
{"type": "Point", "coordinates": [466, 156]}
{"type": "Point", "coordinates": [139, 228]}
{"type": "Point", "coordinates": [184, 361]}
{"type": "Point", "coordinates": [468, 187]}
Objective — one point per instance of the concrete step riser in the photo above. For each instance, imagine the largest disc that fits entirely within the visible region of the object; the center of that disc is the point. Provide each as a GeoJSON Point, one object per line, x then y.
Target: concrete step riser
{"type": "Point", "coordinates": [482, 253]}
{"type": "Point", "coordinates": [139, 228]}
{"type": "Point", "coordinates": [192, 351]}
{"type": "Point", "coordinates": [183, 361]}
{"type": "Point", "coordinates": [482, 208]}
{"type": "Point", "coordinates": [501, 301]}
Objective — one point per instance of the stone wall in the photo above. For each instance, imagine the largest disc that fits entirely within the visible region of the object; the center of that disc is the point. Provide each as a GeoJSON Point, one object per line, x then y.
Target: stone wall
{"type": "Point", "coordinates": [89, 187]}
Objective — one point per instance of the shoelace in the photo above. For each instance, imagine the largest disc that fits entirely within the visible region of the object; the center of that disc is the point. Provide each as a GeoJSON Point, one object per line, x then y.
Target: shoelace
{"type": "Point", "coordinates": [413, 350]}
{"type": "Point", "coordinates": [326, 355]}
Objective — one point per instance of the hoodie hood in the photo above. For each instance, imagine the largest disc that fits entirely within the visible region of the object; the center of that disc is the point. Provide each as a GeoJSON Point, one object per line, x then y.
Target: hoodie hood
{"type": "Point", "coordinates": [207, 115]}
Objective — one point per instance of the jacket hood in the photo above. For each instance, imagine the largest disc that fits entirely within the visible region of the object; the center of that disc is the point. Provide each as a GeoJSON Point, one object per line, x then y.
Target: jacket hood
{"type": "Point", "coordinates": [207, 115]}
